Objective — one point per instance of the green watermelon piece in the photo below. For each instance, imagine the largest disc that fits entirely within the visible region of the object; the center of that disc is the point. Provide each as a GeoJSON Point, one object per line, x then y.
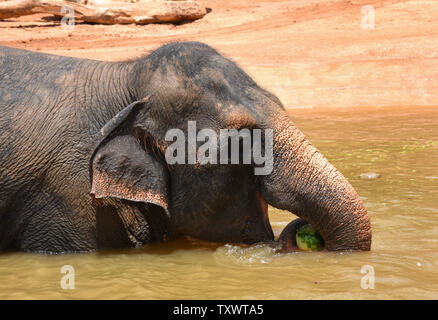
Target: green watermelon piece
{"type": "Point", "coordinates": [309, 239]}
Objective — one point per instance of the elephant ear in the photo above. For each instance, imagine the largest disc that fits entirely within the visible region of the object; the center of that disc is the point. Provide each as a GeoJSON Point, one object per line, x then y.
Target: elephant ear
{"type": "Point", "coordinates": [121, 167]}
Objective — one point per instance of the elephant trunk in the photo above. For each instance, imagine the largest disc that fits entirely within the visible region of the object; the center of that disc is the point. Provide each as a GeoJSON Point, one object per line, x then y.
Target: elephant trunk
{"type": "Point", "coordinates": [305, 183]}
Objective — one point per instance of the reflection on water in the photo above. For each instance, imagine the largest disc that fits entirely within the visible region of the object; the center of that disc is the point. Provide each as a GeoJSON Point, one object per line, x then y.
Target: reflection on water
{"type": "Point", "coordinates": [400, 145]}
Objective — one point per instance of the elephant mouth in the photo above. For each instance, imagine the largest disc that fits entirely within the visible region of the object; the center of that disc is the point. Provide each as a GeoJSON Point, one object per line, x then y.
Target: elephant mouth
{"type": "Point", "coordinates": [288, 237]}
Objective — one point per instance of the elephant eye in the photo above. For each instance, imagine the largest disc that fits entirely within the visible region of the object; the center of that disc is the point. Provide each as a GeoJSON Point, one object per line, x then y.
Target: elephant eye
{"type": "Point", "coordinates": [241, 119]}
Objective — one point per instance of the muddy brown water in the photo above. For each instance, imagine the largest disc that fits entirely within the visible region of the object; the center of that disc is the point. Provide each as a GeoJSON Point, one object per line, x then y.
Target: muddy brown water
{"type": "Point", "coordinates": [400, 145]}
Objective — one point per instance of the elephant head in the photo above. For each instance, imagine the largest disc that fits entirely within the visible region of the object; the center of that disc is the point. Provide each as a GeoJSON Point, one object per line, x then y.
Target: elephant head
{"type": "Point", "coordinates": [183, 83]}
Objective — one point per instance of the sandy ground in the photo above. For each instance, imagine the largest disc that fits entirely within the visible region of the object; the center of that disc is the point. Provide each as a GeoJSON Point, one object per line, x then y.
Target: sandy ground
{"type": "Point", "coordinates": [311, 53]}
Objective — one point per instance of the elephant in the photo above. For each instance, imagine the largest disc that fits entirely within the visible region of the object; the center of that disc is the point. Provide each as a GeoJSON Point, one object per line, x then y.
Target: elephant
{"type": "Point", "coordinates": [83, 165]}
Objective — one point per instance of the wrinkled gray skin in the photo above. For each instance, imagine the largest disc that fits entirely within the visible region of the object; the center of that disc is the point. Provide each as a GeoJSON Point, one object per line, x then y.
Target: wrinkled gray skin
{"type": "Point", "coordinates": [82, 166]}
